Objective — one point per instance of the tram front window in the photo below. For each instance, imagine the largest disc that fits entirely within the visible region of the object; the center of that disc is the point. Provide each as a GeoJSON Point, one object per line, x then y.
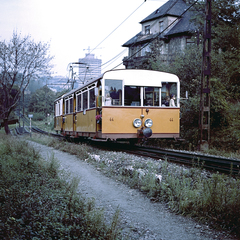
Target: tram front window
{"type": "Point", "coordinates": [132, 96]}
{"type": "Point", "coordinates": [168, 89]}
{"type": "Point", "coordinates": [151, 96]}
{"type": "Point", "coordinates": [113, 92]}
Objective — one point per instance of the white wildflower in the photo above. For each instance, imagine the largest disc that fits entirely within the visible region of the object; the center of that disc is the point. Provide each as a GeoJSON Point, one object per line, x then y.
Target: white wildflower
{"type": "Point", "coordinates": [140, 172]}
{"type": "Point", "coordinates": [158, 177]}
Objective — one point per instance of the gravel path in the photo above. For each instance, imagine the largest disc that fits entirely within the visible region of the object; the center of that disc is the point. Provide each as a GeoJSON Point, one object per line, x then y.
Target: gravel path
{"type": "Point", "coordinates": [139, 217]}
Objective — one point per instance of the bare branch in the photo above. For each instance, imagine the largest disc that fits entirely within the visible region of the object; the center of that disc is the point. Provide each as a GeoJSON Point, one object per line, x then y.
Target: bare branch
{"type": "Point", "coordinates": [21, 61]}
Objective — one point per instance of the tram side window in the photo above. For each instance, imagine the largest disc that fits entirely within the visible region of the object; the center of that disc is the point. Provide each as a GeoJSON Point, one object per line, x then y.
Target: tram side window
{"type": "Point", "coordinates": [113, 92]}
{"type": "Point", "coordinates": [132, 96]}
{"type": "Point", "coordinates": [92, 101]}
{"type": "Point", "coordinates": [85, 100]}
{"type": "Point", "coordinates": [151, 96]}
{"type": "Point", "coordinates": [57, 109]}
{"type": "Point", "coordinates": [79, 102]}
{"type": "Point", "coordinates": [71, 105]}
{"type": "Point", "coordinates": [66, 106]}
{"type": "Point", "coordinates": [168, 89]}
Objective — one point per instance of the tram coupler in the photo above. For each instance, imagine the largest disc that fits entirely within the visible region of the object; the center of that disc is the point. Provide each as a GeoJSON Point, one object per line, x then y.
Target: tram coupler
{"type": "Point", "coordinates": [144, 133]}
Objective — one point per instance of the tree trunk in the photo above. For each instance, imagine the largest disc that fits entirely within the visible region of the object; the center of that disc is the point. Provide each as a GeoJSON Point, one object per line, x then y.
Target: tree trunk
{"type": "Point", "coordinates": [7, 130]}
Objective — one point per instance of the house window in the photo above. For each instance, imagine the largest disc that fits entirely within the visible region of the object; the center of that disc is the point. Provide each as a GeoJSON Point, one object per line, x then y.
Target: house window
{"type": "Point", "coordinates": [189, 40]}
{"type": "Point", "coordinates": [147, 29]}
{"type": "Point", "coordinates": [161, 26]}
{"type": "Point", "coordinates": [145, 50]}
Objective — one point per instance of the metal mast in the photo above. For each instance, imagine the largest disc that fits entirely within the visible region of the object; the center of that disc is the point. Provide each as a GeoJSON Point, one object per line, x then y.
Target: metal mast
{"type": "Point", "coordinates": [204, 116]}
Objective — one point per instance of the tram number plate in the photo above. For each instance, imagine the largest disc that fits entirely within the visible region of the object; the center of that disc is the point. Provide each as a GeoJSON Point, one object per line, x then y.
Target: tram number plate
{"type": "Point", "coordinates": [171, 119]}
{"type": "Point", "coordinates": [111, 119]}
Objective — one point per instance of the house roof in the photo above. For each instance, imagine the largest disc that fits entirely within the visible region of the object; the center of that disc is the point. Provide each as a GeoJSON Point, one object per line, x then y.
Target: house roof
{"type": "Point", "coordinates": [184, 25]}
{"type": "Point", "coordinates": [170, 8]}
{"type": "Point", "coordinates": [140, 38]}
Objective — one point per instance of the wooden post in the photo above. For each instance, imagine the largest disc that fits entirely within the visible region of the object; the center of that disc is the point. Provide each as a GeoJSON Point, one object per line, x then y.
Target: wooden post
{"type": "Point", "coordinates": [204, 116]}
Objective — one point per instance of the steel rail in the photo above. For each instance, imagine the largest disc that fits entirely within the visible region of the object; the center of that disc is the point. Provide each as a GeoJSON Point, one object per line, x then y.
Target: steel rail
{"type": "Point", "coordinates": [36, 129]}
{"type": "Point", "coordinates": [210, 162]}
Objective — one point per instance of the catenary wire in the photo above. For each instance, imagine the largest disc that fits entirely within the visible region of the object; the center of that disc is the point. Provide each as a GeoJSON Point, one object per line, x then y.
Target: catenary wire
{"type": "Point", "coordinates": [117, 27]}
{"type": "Point", "coordinates": [112, 33]}
{"type": "Point", "coordinates": [145, 45]}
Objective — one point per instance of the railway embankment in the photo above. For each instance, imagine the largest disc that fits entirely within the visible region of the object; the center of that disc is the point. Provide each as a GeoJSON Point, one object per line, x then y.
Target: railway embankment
{"type": "Point", "coordinates": [210, 199]}
{"type": "Point", "coordinates": [37, 201]}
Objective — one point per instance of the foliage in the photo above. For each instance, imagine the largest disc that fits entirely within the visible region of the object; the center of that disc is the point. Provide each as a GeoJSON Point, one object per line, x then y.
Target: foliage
{"type": "Point", "coordinates": [42, 101]}
{"type": "Point", "coordinates": [212, 198]}
{"type": "Point", "coordinates": [228, 134]}
{"type": "Point", "coordinates": [189, 119]}
{"type": "Point", "coordinates": [225, 41]}
{"type": "Point", "coordinates": [189, 191]}
{"type": "Point", "coordinates": [21, 61]}
{"type": "Point", "coordinates": [37, 204]}
{"type": "Point", "coordinates": [225, 71]}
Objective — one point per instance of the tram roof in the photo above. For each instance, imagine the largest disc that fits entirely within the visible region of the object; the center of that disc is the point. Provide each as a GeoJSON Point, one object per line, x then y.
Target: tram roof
{"type": "Point", "coordinates": [149, 78]}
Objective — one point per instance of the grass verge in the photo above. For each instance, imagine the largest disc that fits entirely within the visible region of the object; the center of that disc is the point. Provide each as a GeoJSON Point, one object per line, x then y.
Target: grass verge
{"type": "Point", "coordinates": [36, 203]}
{"type": "Point", "coordinates": [211, 198]}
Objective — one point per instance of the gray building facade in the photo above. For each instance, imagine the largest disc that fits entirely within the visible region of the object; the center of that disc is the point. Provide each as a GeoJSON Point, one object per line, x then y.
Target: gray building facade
{"type": "Point", "coordinates": [89, 67]}
{"type": "Point", "coordinates": [169, 28]}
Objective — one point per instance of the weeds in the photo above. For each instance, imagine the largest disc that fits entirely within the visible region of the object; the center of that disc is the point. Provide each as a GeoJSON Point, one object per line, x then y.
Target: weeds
{"type": "Point", "coordinates": [35, 203]}
{"type": "Point", "coordinates": [189, 191]}
{"type": "Point", "coordinates": [212, 198]}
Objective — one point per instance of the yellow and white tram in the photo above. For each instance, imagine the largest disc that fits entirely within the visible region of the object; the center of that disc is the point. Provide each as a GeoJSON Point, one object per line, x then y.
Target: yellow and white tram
{"type": "Point", "coordinates": [121, 104]}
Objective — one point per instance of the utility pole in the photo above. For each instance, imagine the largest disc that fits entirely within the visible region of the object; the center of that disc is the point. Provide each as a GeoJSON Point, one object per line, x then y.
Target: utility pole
{"type": "Point", "coordinates": [70, 67]}
{"type": "Point", "coordinates": [204, 114]}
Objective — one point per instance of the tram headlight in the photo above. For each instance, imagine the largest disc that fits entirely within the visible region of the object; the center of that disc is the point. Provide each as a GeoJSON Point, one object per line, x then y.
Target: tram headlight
{"type": "Point", "coordinates": [148, 123]}
{"type": "Point", "coordinates": [137, 123]}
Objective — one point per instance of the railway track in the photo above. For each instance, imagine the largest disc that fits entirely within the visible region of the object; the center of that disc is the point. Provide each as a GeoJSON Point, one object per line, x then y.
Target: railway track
{"type": "Point", "coordinates": [209, 162]}
{"type": "Point", "coordinates": [35, 129]}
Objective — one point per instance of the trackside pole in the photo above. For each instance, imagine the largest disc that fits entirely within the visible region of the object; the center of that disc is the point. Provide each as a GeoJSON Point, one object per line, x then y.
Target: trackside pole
{"type": "Point", "coordinates": [204, 113]}
{"type": "Point", "coordinates": [30, 116]}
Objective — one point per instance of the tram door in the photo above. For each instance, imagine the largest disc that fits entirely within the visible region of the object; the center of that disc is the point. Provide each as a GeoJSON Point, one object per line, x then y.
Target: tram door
{"type": "Point", "coordinates": [98, 96]}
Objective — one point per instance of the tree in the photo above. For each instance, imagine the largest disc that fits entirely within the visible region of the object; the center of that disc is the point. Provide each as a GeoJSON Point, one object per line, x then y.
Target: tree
{"type": "Point", "coordinates": [225, 67]}
{"type": "Point", "coordinates": [225, 42]}
{"type": "Point", "coordinates": [21, 60]}
{"type": "Point", "coordinates": [42, 101]}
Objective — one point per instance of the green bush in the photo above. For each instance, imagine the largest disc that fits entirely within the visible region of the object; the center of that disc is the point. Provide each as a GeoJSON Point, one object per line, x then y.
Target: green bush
{"type": "Point", "coordinates": [39, 116]}
{"type": "Point", "coordinates": [36, 204]}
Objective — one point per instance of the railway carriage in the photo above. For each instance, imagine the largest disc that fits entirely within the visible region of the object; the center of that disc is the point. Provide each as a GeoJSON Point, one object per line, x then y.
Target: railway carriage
{"type": "Point", "coordinates": [121, 104]}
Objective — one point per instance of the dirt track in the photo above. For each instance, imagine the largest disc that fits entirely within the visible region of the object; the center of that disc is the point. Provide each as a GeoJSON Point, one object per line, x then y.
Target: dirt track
{"type": "Point", "coordinates": [140, 218]}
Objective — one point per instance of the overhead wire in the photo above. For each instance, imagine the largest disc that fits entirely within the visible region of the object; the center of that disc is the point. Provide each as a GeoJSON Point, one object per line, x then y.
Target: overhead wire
{"type": "Point", "coordinates": [114, 59]}
{"type": "Point", "coordinates": [146, 44]}
{"type": "Point", "coordinates": [118, 26]}
{"type": "Point", "coordinates": [110, 61]}
{"type": "Point", "coordinates": [111, 34]}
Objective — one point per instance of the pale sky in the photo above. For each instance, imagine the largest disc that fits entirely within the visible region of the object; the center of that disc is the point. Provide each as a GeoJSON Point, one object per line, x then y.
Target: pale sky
{"type": "Point", "coordinates": [70, 26]}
